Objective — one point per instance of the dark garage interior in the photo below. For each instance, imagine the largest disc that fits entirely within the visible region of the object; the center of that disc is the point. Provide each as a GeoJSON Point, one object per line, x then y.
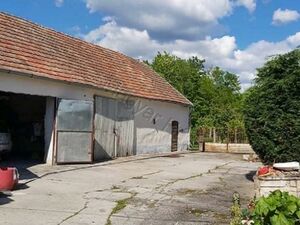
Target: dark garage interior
{"type": "Point", "coordinates": [22, 116]}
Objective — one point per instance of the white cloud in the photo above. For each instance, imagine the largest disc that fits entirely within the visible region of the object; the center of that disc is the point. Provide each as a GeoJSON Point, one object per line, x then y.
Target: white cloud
{"type": "Point", "coordinates": [221, 51]}
{"type": "Point", "coordinates": [285, 16]}
{"type": "Point", "coordinates": [201, 10]}
{"type": "Point", "coordinates": [129, 41]}
{"type": "Point", "coordinates": [59, 3]}
{"type": "Point", "coordinates": [138, 43]}
{"type": "Point", "coordinates": [294, 40]}
{"type": "Point", "coordinates": [169, 19]}
{"type": "Point", "coordinates": [249, 4]}
{"type": "Point", "coordinates": [184, 27]}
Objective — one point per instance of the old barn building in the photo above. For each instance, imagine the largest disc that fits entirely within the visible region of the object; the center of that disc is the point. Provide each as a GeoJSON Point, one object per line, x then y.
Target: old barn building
{"type": "Point", "coordinates": [66, 100]}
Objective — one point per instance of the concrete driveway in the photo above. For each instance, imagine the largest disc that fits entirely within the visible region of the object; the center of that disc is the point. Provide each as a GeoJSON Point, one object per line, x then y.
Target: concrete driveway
{"type": "Point", "coordinates": [184, 189]}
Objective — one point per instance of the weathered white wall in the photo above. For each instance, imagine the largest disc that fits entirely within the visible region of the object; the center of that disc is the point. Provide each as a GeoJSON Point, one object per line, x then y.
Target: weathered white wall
{"type": "Point", "coordinates": [49, 133]}
{"type": "Point", "coordinates": [149, 137]}
{"type": "Point", "coordinates": [43, 87]}
{"type": "Point", "coordinates": [155, 136]}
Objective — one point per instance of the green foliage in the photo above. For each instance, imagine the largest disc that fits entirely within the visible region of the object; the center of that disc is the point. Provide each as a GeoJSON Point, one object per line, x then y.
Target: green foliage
{"type": "Point", "coordinates": [279, 208]}
{"type": "Point", "coordinates": [226, 80]}
{"type": "Point", "coordinates": [236, 213]}
{"type": "Point", "coordinates": [215, 94]}
{"type": "Point", "coordinates": [272, 110]}
{"type": "Point", "coordinates": [186, 76]}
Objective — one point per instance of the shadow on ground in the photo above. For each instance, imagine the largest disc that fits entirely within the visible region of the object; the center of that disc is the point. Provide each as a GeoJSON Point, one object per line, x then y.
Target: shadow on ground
{"type": "Point", "coordinates": [24, 174]}
{"type": "Point", "coordinates": [5, 198]}
{"type": "Point", "coordinates": [22, 166]}
{"type": "Point", "coordinates": [250, 175]}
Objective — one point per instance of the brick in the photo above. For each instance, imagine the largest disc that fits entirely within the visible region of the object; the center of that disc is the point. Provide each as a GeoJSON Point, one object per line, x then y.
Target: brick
{"type": "Point", "coordinates": [293, 183]}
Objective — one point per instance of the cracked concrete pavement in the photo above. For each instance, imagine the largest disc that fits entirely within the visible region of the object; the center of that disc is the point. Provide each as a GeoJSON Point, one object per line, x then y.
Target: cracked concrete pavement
{"type": "Point", "coordinates": [183, 189]}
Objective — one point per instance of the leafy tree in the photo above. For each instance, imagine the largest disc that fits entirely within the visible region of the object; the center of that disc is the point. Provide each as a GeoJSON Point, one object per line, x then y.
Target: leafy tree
{"type": "Point", "coordinates": [226, 103]}
{"type": "Point", "coordinates": [185, 76]}
{"type": "Point", "coordinates": [272, 109]}
{"type": "Point", "coordinates": [215, 94]}
{"type": "Point", "coordinates": [224, 79]}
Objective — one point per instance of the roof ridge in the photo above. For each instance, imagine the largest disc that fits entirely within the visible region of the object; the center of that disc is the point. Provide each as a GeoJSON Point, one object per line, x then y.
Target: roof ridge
{"type": "Point", "coordinates": [88, 63]}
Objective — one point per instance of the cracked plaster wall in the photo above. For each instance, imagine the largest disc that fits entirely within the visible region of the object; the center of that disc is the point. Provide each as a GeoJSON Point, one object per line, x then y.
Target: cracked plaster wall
{"type": "Point", "coordinates": [152, 118]}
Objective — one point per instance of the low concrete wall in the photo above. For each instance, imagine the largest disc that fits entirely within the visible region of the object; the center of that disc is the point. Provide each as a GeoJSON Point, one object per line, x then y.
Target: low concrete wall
{"type": "Point", "coordinates": [230, 148]}
{"type": "Point", "coordinates": [265, 185]}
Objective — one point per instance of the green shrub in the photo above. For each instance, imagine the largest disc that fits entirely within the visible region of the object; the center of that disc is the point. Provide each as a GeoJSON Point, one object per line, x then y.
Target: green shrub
{"type": "Point", "coordinates": [272, 110]}
{"type": "Point", "coordinates": [236, 213]}
{"type": "Point", "coordinates": [279, 208]}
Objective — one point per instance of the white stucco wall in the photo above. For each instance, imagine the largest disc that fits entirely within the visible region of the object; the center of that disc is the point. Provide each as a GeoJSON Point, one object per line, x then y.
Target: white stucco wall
{"type": "Point", "coordinates": [49, 132]}
{"type": "Point", "coordinates": [155, 136]}
{"type": "Point", "coordinates": [43, 87]}
{"type": "Point", "coordinates": [150, 137]}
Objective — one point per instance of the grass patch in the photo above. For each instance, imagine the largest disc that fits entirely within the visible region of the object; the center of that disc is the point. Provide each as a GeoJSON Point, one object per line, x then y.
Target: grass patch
{"type": "Point", "coordinates": [121, 204]}
{"type": "Point", "coordinates": [138, 177]}
{"type": "Point", "coordinates": [221, 179]}
{"type": "Point", "coordinates": [187, 191]}
{"type": "Point", "coordinates": [196, 212]}
{"type": "Point", "coordinates": [221, 217]}
{"type": "Point", "coordinates": [152, 204]}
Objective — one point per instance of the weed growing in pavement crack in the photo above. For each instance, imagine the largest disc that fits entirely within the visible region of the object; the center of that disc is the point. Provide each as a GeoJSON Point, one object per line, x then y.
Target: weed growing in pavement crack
{"type": "Point", "coordinates": [121, 204]}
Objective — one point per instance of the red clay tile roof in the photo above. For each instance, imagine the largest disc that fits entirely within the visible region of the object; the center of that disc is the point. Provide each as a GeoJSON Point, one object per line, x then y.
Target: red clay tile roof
{"type": "Point", "coordinates": [32, 49]}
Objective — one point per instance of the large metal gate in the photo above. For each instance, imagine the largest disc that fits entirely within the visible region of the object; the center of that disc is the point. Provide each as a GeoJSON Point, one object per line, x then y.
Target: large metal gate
{"type": "Point", "coordinates": [105, 115]}
{"type": "Point", "coordinates": [114, 128]}
{"type": "Point", "coordinates": [74, 131]}
{"type": "Point", "coordinates": [125, 128]}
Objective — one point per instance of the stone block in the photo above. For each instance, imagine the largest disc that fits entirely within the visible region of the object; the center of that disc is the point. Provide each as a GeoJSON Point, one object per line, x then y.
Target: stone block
{"type": "Point", "coordinates": [293, 183]}
{"type": "Point", "coordinates": [273, 183]}
{"type": "Point", "coordinates": [265, 185]}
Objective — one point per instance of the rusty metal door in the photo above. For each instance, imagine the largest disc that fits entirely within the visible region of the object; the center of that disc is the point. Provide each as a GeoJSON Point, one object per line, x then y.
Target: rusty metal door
{"type": "Point", "coordinates": [174, 132]}
{"type": "Point", "coordinates": [74, 131]}
{"type": "Point", "coordinates": [125, 128]}
{"type": "Point", "coordinates": [114, 128]}
{"type": "Point", "coordinates": [105, 130]}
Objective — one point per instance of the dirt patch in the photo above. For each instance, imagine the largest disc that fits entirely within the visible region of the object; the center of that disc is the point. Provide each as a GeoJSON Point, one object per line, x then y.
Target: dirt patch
{"type": "Point", "coordinates": [173, 156]}
{"type": "Point", "coordinates": [214, 204]}
{"type": "Point", "coordinates": [181, 203]}
{"type": "Point", "coordinates": [138, 178]}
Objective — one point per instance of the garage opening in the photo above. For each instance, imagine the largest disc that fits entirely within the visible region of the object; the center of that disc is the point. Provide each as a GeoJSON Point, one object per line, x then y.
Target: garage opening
{"type": "Point", "coordinates": [22, 122]}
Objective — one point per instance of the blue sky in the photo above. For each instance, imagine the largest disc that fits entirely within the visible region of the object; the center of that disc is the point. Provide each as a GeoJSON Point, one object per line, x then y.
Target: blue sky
{"type": "Point", "coordinates": [249, 28]}
{"type": "Point", "coordinates": [236, 35]}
